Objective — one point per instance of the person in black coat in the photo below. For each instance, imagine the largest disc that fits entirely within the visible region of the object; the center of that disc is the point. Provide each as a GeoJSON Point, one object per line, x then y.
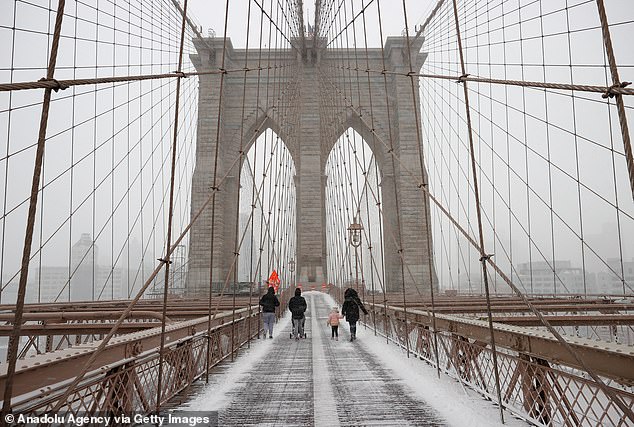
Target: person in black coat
{"type": "Point", "coordinates": [350, 310]}
{"type": "Point", "coordinates": [268, 302]}
{"type": "Point", "coordinates": [297, 306]}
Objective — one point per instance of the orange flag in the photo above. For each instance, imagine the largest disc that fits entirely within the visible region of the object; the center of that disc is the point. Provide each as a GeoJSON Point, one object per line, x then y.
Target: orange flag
{"type": "Point", "coordinates": [274, 280]}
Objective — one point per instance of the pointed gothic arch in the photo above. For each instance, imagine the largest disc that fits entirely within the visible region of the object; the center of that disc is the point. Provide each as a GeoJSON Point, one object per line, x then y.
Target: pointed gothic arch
{"type": "Point", "coordinates": [301, 122]}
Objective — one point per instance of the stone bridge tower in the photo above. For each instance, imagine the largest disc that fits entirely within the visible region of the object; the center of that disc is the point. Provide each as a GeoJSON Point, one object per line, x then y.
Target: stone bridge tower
{"type": "Point", "coordinates": [309, 148]}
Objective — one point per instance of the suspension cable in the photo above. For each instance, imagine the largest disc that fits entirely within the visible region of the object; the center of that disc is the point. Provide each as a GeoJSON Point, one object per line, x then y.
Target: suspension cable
{"type": "Point", "coordinates": [14, 339]}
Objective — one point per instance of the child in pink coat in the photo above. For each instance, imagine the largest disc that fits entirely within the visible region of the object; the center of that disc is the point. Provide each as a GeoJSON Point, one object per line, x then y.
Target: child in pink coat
{"type": "Point", "coordinates": [333, 321]}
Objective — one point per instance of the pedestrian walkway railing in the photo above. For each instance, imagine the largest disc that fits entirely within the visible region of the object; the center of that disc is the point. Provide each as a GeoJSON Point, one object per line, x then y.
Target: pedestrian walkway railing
{"type": "Point", "coordinates": [130, 385]}
{"type": "Point", "coordinates": [538, 379]}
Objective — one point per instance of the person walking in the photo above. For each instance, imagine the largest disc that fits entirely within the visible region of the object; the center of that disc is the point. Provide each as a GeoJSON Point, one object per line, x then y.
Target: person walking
{"type": "Point", "coordinates": [297, 306]}
{"type": "Point", "coordinates": [269, 302]}
{"type": "Point", "coordinates": [333, 322]}
{"type": "Point", "coordinates": [350, 310]}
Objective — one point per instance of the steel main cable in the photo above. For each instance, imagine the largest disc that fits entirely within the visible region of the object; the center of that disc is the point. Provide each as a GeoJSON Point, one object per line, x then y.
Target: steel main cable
{"type": "Point", "coordinates": [617, 83]}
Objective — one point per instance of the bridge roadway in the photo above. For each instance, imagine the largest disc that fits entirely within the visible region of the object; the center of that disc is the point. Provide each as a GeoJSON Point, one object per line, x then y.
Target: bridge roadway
{"type": "Point", "coordinates": [322, 382]}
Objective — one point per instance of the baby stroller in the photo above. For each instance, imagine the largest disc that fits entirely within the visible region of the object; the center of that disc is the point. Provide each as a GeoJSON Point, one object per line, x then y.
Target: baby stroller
{"type": "Point", "coordinates": [298, 327]}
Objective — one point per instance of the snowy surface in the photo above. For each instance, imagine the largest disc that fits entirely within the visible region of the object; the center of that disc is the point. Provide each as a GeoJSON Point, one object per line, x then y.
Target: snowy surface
{"type": "Point", "coordinates": [458, 405]}
{"type": "Point", "coordinates": [216, 395]}
{"type": "Point", "coordinates": [323, 393]}
{"type": "Point", "coordinates": [319, 381]}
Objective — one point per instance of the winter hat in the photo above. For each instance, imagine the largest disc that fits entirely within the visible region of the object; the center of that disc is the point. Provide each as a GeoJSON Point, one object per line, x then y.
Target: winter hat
{"type": "Point", "coordinates": [271, 290]}
{"type": "Point", "coordinates": [335, 308]}
{"type": "Point", "coordinates": [298, 292]}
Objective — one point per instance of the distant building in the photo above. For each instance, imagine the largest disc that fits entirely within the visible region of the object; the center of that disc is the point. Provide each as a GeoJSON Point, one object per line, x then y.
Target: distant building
{"type": "Point", "coordinates": [560, 277]}
{"type": "Point", "coordinates": [83, 280]}
{"type": "Point", "coordinates": [84, 268]}
{"type": "Point", "coordinates": [610, 283]}
{"type": "Point", "coordinates": [51, 283]}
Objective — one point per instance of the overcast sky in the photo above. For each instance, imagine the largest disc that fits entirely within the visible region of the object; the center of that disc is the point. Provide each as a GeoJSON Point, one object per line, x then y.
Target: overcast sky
{"type": "Point", "coordinates": [212, 15]}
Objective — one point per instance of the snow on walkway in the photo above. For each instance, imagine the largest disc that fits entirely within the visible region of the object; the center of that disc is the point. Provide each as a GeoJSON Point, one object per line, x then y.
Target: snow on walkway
{"type": "Point", "coordinates": [319, 381]}
{"type": "Point", "coordinates": [324, 400]}
{"type": "Point", "coordinates": [457, 405]}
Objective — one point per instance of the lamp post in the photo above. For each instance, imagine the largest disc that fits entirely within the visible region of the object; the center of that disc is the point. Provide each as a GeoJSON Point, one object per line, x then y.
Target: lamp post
{"type": "Point", "coordinates": [354, 237]}
{"type": "Point", "coordinates": [291, 268]}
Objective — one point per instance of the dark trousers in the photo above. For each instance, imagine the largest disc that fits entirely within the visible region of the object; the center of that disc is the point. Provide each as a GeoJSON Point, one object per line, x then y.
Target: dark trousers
{"type": "Point", "coordinates": [353, 328]}
{"type": "Point", "coordinates": [335, 330]}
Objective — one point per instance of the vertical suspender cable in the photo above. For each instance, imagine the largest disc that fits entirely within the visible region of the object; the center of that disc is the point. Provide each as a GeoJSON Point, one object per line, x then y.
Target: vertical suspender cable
{"type": "Point", "coordinates": [253, 182]}
{"type": "Point", "coordinates": [272, 96]}
{"type": "Point", "coordinates": [357, 210]}
{"type": "Point", "coordinates": [367, 171]}
{"type": "Point", "coordinates": [426, 210]}
{"type": "Point", "coordinates": [7, 148]}
{"type": "Point", "coordinates": [214, 187]}
{"type": "Point", "coordinates": [236, 249]}
{"type": "Point", "coordinates": [14, 339]}
{"type": "Point", "coordinates": [483, 255]}
{"type": "Point", "coordinates": [166, 258]}
{"type": "Point", "coordinates": [258, 271]}
{"type": "Point", "coordinates": [391, 150]}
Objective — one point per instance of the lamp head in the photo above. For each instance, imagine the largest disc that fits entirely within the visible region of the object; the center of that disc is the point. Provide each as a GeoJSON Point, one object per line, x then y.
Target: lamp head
{"type": "Point", "coordinates": [355, 233]}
